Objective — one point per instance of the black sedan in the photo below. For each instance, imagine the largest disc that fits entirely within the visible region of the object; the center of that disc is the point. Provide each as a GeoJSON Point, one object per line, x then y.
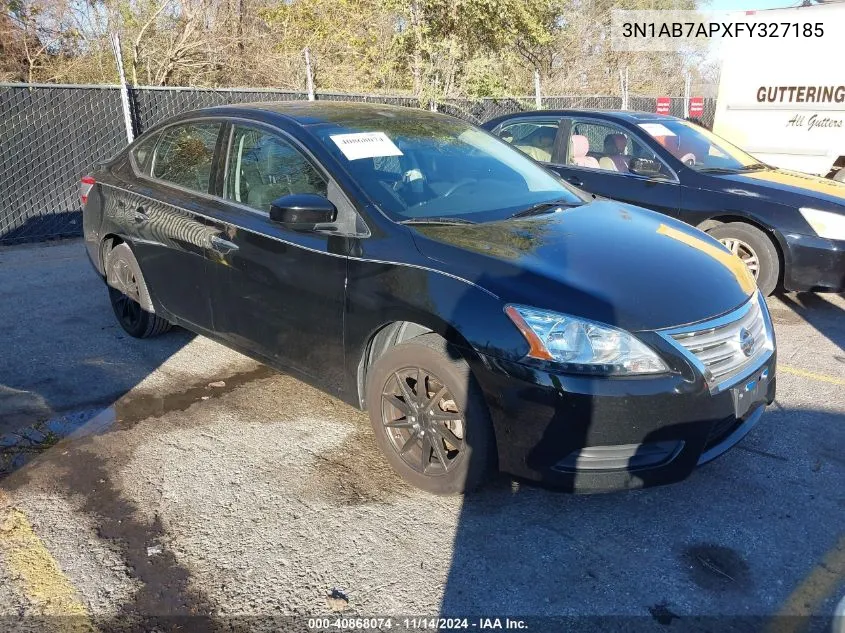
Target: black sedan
{"type": "Point", "coordinates": [788, 227]}
{"type": "Point", "coordinates": [484, 313]}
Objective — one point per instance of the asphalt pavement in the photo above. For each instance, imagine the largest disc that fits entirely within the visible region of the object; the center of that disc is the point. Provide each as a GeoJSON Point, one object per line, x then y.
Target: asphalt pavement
{"type": "Point", "coordinates": [175, 477]}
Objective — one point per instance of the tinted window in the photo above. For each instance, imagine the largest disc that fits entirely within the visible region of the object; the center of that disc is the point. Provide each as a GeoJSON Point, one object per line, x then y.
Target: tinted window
{"type": "Point", "coordinates": [425, 165]}
{"type": "Point", "coordinates": [604, 146]}
{"type": "Point", "coordinates": [535, 137]}
{"type": "Point", "coordinates": [184, 154]}
{"type": "Point", "coordinates": [143, 150]}
{"type": "Point", "coordinates": [263, 167]}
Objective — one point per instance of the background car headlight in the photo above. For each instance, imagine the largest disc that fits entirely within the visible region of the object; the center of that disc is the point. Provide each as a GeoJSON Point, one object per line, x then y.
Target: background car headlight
{"type": "Point", "coordinates": [826, 224]}
{"type": "Point", "coordinates": [583, 346]}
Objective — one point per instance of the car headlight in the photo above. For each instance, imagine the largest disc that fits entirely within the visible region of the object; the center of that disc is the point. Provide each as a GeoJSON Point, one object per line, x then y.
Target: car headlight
{"type": "Point", "coordinates": [582, 346]}
{"type": "Point", "coordinates": [826, 224]}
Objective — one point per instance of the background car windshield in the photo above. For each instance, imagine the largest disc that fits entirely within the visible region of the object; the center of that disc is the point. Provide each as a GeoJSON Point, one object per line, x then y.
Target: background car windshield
{"type": "Point", "coordinates": [432, 167]}
{"type": "Point", "coordinates": [698, 147]}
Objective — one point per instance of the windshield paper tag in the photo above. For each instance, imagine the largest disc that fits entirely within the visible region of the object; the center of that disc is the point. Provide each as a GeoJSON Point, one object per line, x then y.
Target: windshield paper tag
{"type": "Point", "coordinates": [365, 145]}
{"type": "Point", "coordinates": [657, 129]}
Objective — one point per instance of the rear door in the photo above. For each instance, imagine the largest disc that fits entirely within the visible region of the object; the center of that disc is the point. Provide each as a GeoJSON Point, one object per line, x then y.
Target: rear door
{"type": "Point", "coordinates": [166, 217]}
{"type": "Point", "coordinates": [278, 292]}
{"type": "Point", "coordinates": [595, 155]}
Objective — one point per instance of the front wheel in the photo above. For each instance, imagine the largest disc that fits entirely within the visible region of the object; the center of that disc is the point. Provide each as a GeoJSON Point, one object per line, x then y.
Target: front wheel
{"type": "Point", "coordinates": [430, 418]}
{"type": "Point", "coordinates": [755, 249]}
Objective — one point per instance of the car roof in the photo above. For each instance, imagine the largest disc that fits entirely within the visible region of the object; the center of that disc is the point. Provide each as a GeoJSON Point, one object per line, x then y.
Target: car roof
{"type": "Point", "coordinates": [631, 116]}
{"type": "Point", "coordinates": [319, 112]}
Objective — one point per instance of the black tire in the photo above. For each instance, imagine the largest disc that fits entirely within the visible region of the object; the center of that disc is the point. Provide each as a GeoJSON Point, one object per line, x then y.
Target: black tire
{"type": "Point", "coordinates": [448, 470]}
{"type": "Point", "coordinates": [761, 247]}
{"type": "Point", "coordinates": [130, 298]}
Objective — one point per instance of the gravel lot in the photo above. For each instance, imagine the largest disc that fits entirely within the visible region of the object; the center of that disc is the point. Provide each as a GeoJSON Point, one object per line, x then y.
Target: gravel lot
{"type": "Point", "coordinates": [260, 496]}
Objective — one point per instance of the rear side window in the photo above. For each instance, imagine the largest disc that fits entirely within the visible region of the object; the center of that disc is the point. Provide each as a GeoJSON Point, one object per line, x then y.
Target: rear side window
{"type": "Point", "coordinates": [143, 151]}
{"type": "Point", "coordinates": [264, 167]}
{"type": "Point", "coordinates": [535, 137]}
{"type": "Point", "coordinates": [184, 155]}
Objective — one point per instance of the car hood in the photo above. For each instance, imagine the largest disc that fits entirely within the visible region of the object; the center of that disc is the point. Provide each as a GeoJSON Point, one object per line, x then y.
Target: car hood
{"type": "Point", "coordinates": [606, 261]}
{"type": "Point", "coordinates": [788, 187]}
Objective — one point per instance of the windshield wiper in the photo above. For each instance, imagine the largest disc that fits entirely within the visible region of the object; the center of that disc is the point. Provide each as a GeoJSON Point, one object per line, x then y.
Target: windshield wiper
{"type": "Point", "coordinates": [754, 167]}
{"type": "Point", "coordinates": [435, 220]}
{"type": "Point", "coordinates": [732, 170]}
{"type": "Point", "coordinates": [717, 170]}
{"type": "Point", "coordinates": [544, 207]}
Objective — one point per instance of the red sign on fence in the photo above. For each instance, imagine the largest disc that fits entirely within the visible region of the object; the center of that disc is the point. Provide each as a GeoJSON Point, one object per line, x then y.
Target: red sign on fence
{"type": "Point", "coordinates": [663, 105]}
{"type": "Point", "coordinates": [696, 107]}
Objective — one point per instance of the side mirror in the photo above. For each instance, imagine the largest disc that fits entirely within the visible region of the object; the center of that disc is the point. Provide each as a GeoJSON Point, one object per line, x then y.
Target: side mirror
{"type": "Point", "coordinates": [646, 167]}
{"type": "Point", "coordinates": [302, 211]}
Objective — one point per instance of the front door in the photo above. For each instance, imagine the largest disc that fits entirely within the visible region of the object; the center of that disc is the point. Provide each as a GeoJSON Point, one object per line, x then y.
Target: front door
{"type": "Point", "coordinates": [596, 155]}
{"type": "Point", "coordinates": [277, 292]}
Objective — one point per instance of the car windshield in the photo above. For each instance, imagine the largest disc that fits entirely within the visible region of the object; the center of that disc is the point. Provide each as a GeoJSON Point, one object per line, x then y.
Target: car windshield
{"type": "Point", "coordinates": [433, 168]}
{"type": "Point", "coordinates": [699, 148]}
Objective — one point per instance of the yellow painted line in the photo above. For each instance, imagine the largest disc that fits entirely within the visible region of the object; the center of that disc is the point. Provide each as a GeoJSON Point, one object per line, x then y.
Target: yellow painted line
{"type": "Point", "coordinates": [820, 584]}
{"type": "Point", "coordinates": [796, 371]}
{"type": "Point", "coordinates": [38, 575]}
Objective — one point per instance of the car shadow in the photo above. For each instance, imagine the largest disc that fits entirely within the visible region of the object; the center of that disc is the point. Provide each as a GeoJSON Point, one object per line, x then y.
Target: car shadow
{"type": "Point", "coordinates": [714, 552]}
{"type": "Point", "coordinates": [825, 316]}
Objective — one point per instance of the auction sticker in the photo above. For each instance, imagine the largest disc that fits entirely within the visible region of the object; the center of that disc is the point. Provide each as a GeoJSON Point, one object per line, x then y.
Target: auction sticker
{"type": "Point", "coordinates": [657, 129]}
{"type": "Point", "coordinates": [365, 145]}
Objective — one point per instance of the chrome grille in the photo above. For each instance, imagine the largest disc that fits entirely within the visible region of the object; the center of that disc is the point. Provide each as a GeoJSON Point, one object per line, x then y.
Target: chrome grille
{"type": "Point", "coordinates": [729, 345]}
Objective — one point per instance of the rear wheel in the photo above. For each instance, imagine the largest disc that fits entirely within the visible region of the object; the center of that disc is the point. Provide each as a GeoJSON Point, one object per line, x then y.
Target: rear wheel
{"type": "Point", "coordinates": [430, 418]}
{"type": "Point", "coordinates": [755, 249]}
{"type": "Point", "coordinates": [129, 296]}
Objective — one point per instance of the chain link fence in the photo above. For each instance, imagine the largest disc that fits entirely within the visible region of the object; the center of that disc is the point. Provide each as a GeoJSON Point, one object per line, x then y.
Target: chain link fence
{"type": "Point", "coordinates": [52, 135]}
{"type": "Point", "coordinates": [49, 138]}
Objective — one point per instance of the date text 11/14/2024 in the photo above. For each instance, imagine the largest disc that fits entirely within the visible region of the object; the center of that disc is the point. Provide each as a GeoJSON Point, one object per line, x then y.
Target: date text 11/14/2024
{"type": "Point", "coordinates": [415, 624]}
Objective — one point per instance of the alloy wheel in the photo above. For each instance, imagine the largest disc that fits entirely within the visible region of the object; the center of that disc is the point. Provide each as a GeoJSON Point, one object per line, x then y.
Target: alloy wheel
{"type": "Point", "coordinates": [423, 422]}
{"type": "Point", "coordinates": [744, 252]}
{"type": "Point", "coordinates": [126, 294]}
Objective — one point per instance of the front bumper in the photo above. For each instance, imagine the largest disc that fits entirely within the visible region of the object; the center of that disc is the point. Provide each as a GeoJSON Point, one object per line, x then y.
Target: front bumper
{"type": "Point", "coordinates": [814, 263]}
{"type": "Point", "coordinates": [587, 434]}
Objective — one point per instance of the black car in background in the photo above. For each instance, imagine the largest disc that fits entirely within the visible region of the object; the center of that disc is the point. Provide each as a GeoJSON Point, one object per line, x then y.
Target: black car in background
{"type": "Point", "coordinates": [788, 227]}
{"type": "Point", "coordinates": [484, 313]}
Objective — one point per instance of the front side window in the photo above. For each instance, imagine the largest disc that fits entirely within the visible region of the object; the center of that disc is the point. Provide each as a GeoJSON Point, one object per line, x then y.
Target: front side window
{"type": "Point", "coordinates": [535, 137]}
{"type": "Point", "coordinates": [605, 146]}
{"type": "Point", "coordinates": [185, 153]}
{"type": "Point", "coordinates": [698, 147]}
{"type": "Point", "coordinates": [263, 167]}
{"type": "Point", "coordinates": [428, 166]}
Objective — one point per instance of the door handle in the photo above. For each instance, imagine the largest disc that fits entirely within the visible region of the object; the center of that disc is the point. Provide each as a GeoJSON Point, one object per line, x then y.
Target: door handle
{"type": "Point", "coordinates": [575, 180]}
{"type": "Point", "coordinates": [222, 246]}
{"type": "Point", "coordinates": [141, 215]}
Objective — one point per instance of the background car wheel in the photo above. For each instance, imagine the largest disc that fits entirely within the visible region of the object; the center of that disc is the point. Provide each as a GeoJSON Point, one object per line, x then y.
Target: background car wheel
{"type": "Point", "coordinates": [129, 296]}
{"type": "Point", "coordinates": [754, 248]}
{"type": "Point", "coordinates": [430, 418]}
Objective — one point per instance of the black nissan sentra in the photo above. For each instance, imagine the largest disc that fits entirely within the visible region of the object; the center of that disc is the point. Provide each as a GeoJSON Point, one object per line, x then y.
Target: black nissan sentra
{"type": "Point", "coordinates": [484, 313]}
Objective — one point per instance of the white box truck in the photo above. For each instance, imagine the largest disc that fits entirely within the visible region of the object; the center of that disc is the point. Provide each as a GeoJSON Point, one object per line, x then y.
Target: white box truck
{"type": "Point", "coordinates": [782, 99]}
